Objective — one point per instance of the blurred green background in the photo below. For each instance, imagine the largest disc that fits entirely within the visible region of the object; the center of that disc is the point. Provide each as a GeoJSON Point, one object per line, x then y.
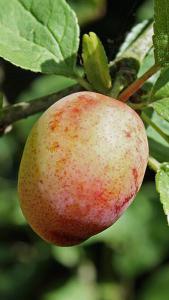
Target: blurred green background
{"type": "Point", "coordinates": [129, 261]}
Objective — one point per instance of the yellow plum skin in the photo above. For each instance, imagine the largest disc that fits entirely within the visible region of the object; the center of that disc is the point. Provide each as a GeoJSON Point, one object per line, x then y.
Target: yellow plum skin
{"type": "Point", "coordinates": [83, 163]}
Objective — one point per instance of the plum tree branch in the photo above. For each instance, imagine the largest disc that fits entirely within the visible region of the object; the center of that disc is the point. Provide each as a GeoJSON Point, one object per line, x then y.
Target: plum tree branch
{"type": "Point", "coordinates": [13, 113]}
{"type": "Point", "coordinates": [127, 67]}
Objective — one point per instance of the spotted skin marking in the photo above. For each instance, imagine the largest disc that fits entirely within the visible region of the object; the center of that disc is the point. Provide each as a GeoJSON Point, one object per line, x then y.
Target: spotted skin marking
{"type": "Point", "coordinates": [83, 163]}
{"type": "Point", "coordinates": [55, 120]}
{"type": "Point", "coordinates": [136, 176]}
{"type": "Point", "coordinates": [54, 147]}
{"type": "Point", "coordinates": [127, 134]}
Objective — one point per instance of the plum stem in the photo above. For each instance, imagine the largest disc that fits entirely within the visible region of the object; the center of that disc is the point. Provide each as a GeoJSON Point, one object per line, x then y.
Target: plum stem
{"type": "Point", "coordinates": [138, 83]}
{"type": "Point", "coordinates": [153, 164]}
{"type": "Point", "coordinates": [148, 121]}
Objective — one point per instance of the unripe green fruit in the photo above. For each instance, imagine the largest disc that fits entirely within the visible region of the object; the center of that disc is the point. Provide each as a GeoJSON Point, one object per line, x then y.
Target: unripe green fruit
{"type": "Point", "coordinates": [83, 164]}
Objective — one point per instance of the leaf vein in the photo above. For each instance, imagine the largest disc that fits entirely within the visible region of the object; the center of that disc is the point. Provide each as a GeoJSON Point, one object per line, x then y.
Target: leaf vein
{"type": "Point", "coordinates": [54, 37]}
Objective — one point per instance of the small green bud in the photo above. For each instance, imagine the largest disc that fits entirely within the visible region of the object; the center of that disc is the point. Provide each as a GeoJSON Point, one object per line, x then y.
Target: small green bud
{"type": "Point", "coordinates": [96, 63]}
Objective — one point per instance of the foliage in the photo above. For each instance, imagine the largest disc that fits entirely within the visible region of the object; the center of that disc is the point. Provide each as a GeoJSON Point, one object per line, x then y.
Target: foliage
{"type": "Point", "coordinates": [129, 260]}
{"type": "Point", "coordinates": [41, 38]}
{"type": "Point", "coordinates": [162, 183]}
{"type": "Point", "coordinates": [161, 31]}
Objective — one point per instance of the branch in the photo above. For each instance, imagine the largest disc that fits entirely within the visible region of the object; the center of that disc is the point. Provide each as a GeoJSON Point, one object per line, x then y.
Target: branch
{"type": "Point", "coordinates": [13, 113]}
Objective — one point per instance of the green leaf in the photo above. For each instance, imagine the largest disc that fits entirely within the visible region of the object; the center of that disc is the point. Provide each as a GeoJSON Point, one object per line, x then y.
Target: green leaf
{"type": "Point", "coordinates": [96, 63]}
{"type": "Point", "coordinates": [162, 185]}
{"type": "Point", "coordinates": [132, 36]}
{"type": "Point", "coordinates": [159, 148]}
{"type": "Point", "coordinates": [147, 63]}
{"type": "Point", "coordinates": [161, 32]}
{"type": "Point", "coordinates": [138, 46]}
{"type": "Point", "coordinates": [39, 37]}
{"type": "Point", "coordinates": [155, 126]}
{"type": "Point", "coordinates": [161, 86]}
{"type": "Point", "coordinates": [162, 108]}
{"type": "Point", "coordinates": [133, 54]}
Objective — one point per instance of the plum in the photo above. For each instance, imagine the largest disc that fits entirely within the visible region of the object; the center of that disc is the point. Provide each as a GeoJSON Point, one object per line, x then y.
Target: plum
{"type": "Point", "coordinates": [83, 163]}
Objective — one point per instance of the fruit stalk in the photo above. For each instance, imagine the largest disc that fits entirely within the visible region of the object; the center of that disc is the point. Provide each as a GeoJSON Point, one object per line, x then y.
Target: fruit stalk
{"type": "Point", "coordinates": [137, 84]}
{"type": "Point", "coordinates": [153, 164]}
